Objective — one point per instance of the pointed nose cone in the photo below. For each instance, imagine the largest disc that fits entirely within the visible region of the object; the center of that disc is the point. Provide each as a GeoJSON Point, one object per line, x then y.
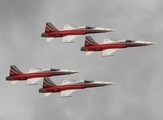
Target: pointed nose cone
{"type": "Point", "coordinates": [109, 83]}
{"type": "Point", "coordinates": [110, 30]}
{"type": "Point", "coordinates": [150, 43]}
{"type": "Point", "coordinates": [74, 71]}
{"type": "Point", "coordinates": [105, 29]}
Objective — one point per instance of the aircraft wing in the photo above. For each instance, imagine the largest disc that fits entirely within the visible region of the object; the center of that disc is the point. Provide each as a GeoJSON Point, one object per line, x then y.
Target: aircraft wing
{"type": "Point", "coordinates": [67, 39]}
{"type": "Point", "coordinates": [32, 81]}
{"type": "Point", "coordinates": [66, 93]}
{"type": "Point", "coordinates": [69, 27]}
{"type": "Point", "coordinates": [107, 40]}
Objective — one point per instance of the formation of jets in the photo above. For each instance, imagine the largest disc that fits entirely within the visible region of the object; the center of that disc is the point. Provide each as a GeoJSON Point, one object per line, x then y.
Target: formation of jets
{"type": "Point", "coordinates": [69, 33]}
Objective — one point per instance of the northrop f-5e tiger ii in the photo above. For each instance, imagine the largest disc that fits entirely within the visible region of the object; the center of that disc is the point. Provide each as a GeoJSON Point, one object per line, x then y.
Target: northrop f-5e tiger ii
{"type": "Point", "coordinates": [35, 74]}
{"type": "Point", "coordinates": [109, 46]}
{"type": "Point", "coordinates": [70, 32]}
{"type": "Point", "coordinates": [67, 87]}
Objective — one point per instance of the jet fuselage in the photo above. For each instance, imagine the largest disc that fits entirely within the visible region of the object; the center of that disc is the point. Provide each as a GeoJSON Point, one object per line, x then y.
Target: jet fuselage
{"type": "Point", "coordinates": [25, 76]}
{"type": "Point", "coordinates": [63, 33]}
{"type": "Point", "coordinates": [75, 86]}
{"type": "Point", "coordinates": [101, 47]}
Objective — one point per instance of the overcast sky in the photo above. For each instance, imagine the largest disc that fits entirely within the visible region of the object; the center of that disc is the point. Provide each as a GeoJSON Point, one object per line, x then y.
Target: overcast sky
{"type": "Point", "coordinates": [137, 72]}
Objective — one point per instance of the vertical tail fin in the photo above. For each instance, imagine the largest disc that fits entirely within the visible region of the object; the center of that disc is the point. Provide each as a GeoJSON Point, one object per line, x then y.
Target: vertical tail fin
{"type": "Point", "coordinates": [14, 70]}
{"type": "Point", "coordinates": [50, 28]}
{"type": "Point", "coordinates": [47, 83]}
{"type": "Point", "coordinates": [89, 41]}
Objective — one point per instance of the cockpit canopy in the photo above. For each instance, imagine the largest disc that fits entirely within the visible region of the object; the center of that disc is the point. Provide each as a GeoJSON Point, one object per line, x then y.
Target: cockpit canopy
{"type": "Point", "coordinates": [128, 41]}
{"type": "Point", "coordinates": [52, 69]}
{"type": "Point", "coordinates": [87, 81]}
{"type": "Point", "coordinates": [88, 27]}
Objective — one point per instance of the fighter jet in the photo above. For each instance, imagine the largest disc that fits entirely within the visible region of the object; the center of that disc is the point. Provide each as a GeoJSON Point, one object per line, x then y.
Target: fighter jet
{"type": "Point", "coordinates": [109, 46]}
{"type": "Point", "coordinates": [35, 74]}
{"type": "Point", "coordinates": [70, 32]}
{"type": "Point", "coordinates": [67, 87]}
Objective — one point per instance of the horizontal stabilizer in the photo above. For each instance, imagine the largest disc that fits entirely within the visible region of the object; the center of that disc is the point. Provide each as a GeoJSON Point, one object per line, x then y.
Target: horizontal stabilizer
{"type": "Point", "coordinates": [32, 81]}
{"type": "Point", "coordinates": [66, 93]}
{"type": "Point", "coordinates": [13, 82]}
{"type": "Point", "coordinates": [89, 52]}
{"type": "Point", "coordinates": [67, 39]}
{"type": "Point", "coordinates": [47, 94]}
{"type": "Point", "coordinates": [49, 39]}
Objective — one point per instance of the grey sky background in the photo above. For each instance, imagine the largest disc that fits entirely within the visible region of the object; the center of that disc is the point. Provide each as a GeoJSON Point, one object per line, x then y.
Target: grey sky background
{"type": "Point", "coordinates": [137, 71]}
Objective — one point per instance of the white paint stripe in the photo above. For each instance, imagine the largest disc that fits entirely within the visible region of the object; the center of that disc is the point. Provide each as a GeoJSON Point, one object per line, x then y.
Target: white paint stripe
{"type": "Point", "coordinates": [15, 68]}
{"type": "Point", "coordinates": [47, 83]}
{"type": "Point", "coordinates": [50, 28]}
{"type": "Point", "coordinates": [91, 41]}
{"type": "Point", "coordinates": [14, 71]}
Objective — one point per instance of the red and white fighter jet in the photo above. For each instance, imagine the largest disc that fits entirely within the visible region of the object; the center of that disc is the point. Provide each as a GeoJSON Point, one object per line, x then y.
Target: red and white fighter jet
{"type": "Point", "coordinates": [70, 32]}
{"type": "Point", "coordinates": [67, 87]}
{"type": "Point", "coordinates": [35, 74]}
{"type": "Point", "coordinates": [109, 46]}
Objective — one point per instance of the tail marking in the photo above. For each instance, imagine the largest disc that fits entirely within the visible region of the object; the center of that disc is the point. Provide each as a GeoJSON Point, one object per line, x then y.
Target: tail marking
{"type": "Point", "coordinates": [47, 83]}
{"type": "Point", "coordinates": [50, 27]}
{"type": "Point", "coordinates": [89, 41]}
{"type": "Point", "coordinates": [14, 70]}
